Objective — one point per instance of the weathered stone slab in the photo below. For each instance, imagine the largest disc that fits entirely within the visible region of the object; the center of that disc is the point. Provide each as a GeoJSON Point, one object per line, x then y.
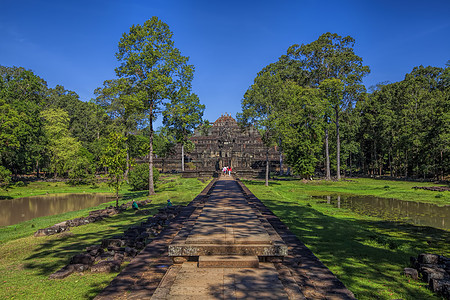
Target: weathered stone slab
{"type": "Point", "coordinates": [228, 261]}
{"type": "Point", "coordinates": [227, 249]}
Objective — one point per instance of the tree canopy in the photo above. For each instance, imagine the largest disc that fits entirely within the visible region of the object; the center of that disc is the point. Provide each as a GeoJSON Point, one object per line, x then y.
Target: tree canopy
{"type": "Point", "coordinates": [154, 69]}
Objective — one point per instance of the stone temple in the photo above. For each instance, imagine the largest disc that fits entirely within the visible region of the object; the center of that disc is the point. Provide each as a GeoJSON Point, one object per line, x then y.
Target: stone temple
{"type": "Point", "coordinates": [225, 144]}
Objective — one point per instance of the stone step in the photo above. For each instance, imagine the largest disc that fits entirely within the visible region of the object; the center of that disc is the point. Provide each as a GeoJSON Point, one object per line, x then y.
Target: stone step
{"type": "Point", "coordinates": [228, 261]}
{"type": "Point", "coordinates": [182, 249]}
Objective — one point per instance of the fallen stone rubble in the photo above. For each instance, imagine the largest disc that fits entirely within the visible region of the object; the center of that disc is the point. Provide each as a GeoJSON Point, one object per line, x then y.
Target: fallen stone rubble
{"type": "Point", "coordinates": [433, 188]}
{"type": "Point", "coordinates": [94, 216]}
{"type": "Point", "coordinates": [112, 252]}
{"type": "Point", "coordinates": [433, 269]}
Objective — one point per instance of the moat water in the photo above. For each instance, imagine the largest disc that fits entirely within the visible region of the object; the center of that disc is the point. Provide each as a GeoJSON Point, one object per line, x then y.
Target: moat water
{"type": "Point", "coordinates": [13, 211]}
{"type": "Point", "coordinates": [417, 213]}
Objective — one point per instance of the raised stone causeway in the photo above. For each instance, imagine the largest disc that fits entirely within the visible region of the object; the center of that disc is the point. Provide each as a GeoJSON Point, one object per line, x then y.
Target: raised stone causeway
{"type": "Point", "coordinates": [226, 245]}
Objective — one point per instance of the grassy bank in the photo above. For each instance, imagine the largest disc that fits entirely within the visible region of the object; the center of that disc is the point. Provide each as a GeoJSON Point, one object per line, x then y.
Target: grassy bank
{"type": "Point", "coordinates": [368, 254]}
{"type": "Point", "coordinates": [26, 262]}
{"type": "Point", "coordinates": [402, 190]}
{"type": "Point", "coordinates": [41, 188]}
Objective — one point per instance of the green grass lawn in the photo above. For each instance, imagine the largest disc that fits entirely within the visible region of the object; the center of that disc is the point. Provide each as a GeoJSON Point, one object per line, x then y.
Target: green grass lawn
{"type": "Point", "coordinates": [26, 261]}
{"type": "Point", "coordinates": [402, 190]}
{"type": "Point", "coordinates": [366, 253]}
{"type": "Point", "coordinates": [41, 188]}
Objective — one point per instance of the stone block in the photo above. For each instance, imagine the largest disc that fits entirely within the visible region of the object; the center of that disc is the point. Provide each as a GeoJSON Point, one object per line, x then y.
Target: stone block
{"type": "Point", "coordinates": [80, 267]}
{"type": "Point", "coordinates": [95, 250]}
{"type": "Point", "coordinates": [84, 259]}
{"type": "Point", "coordinates": [179, 259]}
{"type": "Point", "coordinates": [430, 273]}
{"type": "Point", "coordinates": [130, 252]}
{"type": "Point", "coordinates": [440, 286]}
{"type": "Point", "coordinates": [62, 273]}
{"type": "Point", "coordinates": [410, 272]}
{"type": "Point", "coordinates": [113, 242]}
{"type": "Point", "coordinates": [106, 267]}
{"type": "Point", "coordinates": [427, 258]}
{"type": "Point", "coordinates": [228, 261]}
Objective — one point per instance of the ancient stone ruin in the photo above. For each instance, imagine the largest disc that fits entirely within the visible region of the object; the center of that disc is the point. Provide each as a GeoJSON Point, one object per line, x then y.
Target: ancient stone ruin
{"type": "Point", "coordinates": [112, 252]}
{"type": "Point", "coordinates": [224, 144]}
{"type": "Point", "coordinates": [433, 269]}
{"type": "Point", "coordinates": [94, 216]}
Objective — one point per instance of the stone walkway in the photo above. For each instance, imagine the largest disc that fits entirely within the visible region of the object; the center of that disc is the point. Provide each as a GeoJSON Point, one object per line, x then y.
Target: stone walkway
{"type": "Point", "coordinates": [226, 245]}
{"type": "Point", "coordinates": [227, 225]}
{"type": "Point", "coordinates": [227, 242]}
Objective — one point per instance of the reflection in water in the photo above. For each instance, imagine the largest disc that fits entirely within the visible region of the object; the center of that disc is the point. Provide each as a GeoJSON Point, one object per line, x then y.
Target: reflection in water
{"type": "Point", "coordinates": [417, 213]}
{"type": "Point", "coordinates": [14, 211]}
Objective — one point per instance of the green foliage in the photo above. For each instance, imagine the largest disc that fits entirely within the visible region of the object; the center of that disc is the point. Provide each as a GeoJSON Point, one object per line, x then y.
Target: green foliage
{"type": "Point", "coordinates": [138, 177]}
{"type": "Point", "coordinates": [181, 116]}
{"type": "Point", "coordinates": [260, 107]}
{"type": "Point", "coordinates": [163, 143]}
{"type": "Point", "coordinates": [190, 166]}
{"type": "Point", "coordinates": [81, 169]}
{"type": "Point", "coordinates": [153, 69]}
{"type": "Point", "coordinates": [405, 126]}
{"type": "Point", "coordinates": [5, 177]}
{"type": "Point", "coordinates": [115, 159]}
{"type": "Point", "coordinates": [300, 127]}
{"type": "Point", "coordinates": [64, 149]}
{"type": "Point", "coordinates": [203, 128]}
{"type": "Point", "coordinates": [87, 121]}
{"type": "Point", "coordinates": [22, 97]}
{"type": "Point", "coordinates": [138, 145]}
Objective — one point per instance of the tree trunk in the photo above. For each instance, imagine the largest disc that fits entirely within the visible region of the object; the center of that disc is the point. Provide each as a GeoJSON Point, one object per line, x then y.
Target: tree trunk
{"type": "Point", "coordinates": [338, 146]}
{"type": "Point", "coordinates": [281, 160]}
{"type": "Point", "coordinates": [117, 193]}
{"type": "Point", "coordinates": [128, 157]}
{"type": "Point", "coordinates": [267, 166]}
{"type": "Point", "coordinates": [390, 163]}
{"type": "Point", "coordinates": [151, 188]}
{"type": "Point", "coordinates": [37, 168]}
{"type": "Point", "coordinates": [406, 164]}
{"type": "Point", "coordinates": [182, 157]}
{"type": "Point", "coordinates": [350, 164]}
{"type": "Point", "coordinates": [327, 155]}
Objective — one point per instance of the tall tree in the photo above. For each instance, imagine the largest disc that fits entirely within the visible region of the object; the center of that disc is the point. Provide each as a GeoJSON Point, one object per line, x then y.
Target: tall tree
{"type": "Point", "coordinates": [62, 146]}
{"type": "Point", "coordinates": [300, 127]}
{"type": "Point", "coordinates": [181, 116]}
{"type": "Point", "coordinates": [23, 94]}
{"type": "Point", "coordinates": [123, 105]}
{"type": "Point", "coordinates": [332, 56]}
{"type": "Point", "coordinates": [332, 90]}
{"type": "Point", "coordinates": [260, 105]}
{"type": "Point", "coordinates": [154, 68]}
{"type": "Point", "coordinates": [115, 159]}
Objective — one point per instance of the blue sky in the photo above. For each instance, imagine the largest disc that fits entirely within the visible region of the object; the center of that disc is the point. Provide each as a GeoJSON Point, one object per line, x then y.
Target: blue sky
{"type": "Point", "coordinates": [73, 43]}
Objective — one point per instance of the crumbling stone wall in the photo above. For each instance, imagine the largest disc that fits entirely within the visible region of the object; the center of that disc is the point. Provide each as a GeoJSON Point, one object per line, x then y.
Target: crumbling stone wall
{"type": "Point", "coordinates": [108, 256]}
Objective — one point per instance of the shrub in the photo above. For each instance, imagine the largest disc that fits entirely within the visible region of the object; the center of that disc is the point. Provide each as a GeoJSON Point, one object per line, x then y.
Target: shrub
{"type": "Point", "coordinates": [19, 184]}
{"type": "Point", "coordinates": [5, 177]}
{"type": "Point", "coordinates": [138, 177]}
{"type": "Point", "coordinates": [81, 168]}
{"type": "Point", "coordinates": [189, 166]}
